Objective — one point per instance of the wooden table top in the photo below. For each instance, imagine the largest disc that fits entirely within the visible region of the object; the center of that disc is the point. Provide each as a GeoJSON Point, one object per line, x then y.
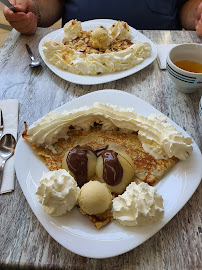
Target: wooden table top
{"type": "Point", "coordinates": [24, 242]}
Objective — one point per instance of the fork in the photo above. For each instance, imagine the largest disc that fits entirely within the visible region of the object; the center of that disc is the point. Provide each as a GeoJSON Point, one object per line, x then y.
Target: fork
{"type": "Point", "coordinates": [1, 123]}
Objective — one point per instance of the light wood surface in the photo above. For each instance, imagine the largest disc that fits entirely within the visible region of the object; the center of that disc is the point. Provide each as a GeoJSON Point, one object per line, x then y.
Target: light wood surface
{"type": "Point", "coordinates": [24, 242]}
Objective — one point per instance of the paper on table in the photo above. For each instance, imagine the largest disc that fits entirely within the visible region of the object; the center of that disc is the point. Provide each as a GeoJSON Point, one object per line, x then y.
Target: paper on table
{"type": "Point", "coordinates": [162, 53]}
{"type": "Point", "coordinates": [9, 109]}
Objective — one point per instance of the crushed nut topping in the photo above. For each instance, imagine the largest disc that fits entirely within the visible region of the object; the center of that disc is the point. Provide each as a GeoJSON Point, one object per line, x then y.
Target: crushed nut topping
{"type": "Point", "coordinates": [82, 44]}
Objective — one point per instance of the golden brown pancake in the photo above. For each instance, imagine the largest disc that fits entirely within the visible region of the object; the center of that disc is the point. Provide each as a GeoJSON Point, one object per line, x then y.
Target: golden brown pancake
{"type": "Point", "coordinates": [101, 220]}
{"type": "Point", "coordinates": [147, 168]}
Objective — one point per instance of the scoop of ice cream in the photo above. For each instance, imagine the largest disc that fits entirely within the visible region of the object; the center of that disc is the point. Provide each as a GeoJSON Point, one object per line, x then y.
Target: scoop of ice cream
{"type": "Point", "coordinates": [57, 192]}
{"type": "Point", "coordinates": [138, 205]}
{"type": "Point", "coordinates": [100, 38]}
{"type": "Point", "coordinates": [72, 30]}
{"type": "Point", "coordinates": [80, 161]}
{"type": "Point", "coordinates": [120, 30]}
{"type": "Point", "coordinates": [116, 169]}
{"type": "Point", "coordinates": [94, 198]}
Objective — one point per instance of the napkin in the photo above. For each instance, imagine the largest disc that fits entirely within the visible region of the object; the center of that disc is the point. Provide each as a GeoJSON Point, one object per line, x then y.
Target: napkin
{"type": "Point", "coordinates": [162, 53]}
{"type": "Point", "coordinates": [9, 109]}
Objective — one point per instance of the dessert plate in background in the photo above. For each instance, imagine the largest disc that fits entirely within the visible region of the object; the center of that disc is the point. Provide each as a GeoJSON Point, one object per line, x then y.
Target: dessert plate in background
{"type": "Point", "coordinates": [74, 231]}
{"type": "Point", "coordinates": [102, 78]}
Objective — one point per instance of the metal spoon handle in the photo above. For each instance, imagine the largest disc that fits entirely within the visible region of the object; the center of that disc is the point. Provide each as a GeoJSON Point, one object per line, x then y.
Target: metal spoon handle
{"type": "Point", "coordinates": [2, 171]}
{"type": "Point", "coordinates": [13, 9]}
{"type": "Point", "coordinates": [30, 52]}
{"type": "Point", "coordinates": [9, 5]}
{"type": "Point", "coordinates": [1, 123]}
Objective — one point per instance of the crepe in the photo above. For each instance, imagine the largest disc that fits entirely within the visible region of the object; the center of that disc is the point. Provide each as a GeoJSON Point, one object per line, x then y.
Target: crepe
{"type": "Point", "coordinates": [101, 220]}
{"type": "Point", "coordinates": [147, 168]}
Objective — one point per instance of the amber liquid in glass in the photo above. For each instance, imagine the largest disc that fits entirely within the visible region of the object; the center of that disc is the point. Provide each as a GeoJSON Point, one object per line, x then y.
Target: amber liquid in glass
{"type": "Point", "coordinates": [189, 66]}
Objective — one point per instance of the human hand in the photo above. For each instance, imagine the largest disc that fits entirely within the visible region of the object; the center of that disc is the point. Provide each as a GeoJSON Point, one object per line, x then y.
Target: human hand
{"type": "Point", "coordinates": [24, 21]}
{"type": "Point", "coordinates": [198, 21]}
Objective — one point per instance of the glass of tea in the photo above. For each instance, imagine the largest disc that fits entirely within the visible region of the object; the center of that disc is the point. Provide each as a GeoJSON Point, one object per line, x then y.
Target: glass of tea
{"type": "Point", "coordinates": [184, 66]}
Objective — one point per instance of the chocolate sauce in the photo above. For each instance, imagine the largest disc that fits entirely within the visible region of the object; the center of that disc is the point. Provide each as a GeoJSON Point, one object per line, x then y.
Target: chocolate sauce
{"type": "Point", "coordinates": [101, 148]}
{"type": "Point", "coordinates": [77, 162]}
{"type": "Point", "coordinates": [112, 169]}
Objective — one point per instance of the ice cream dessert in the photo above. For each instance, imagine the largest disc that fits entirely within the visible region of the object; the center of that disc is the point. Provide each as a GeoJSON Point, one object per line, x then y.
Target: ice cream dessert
{"type": "Point", "coordinates": [102, 50]}
{"type": "Point", "coordinates": [100, 38]}
{"type": "Point", "coordinates": [57, 192]}
{"type": "Point", "coordinates": [138, 205]}
{"type": "Point", "coordinates": [112, 145]}
{"type": "Point", "coordinates": [94, 198]}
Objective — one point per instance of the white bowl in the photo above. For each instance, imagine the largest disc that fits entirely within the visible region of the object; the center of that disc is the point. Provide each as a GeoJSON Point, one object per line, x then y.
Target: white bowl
{"type": "Point", "coordinates": [185, 81]}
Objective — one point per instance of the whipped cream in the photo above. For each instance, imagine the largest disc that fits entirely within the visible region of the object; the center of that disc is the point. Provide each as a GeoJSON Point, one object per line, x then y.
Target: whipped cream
{"type": "Point", "coordinates": [72, 30]}
{"type": "Point", "coordinates": [57, 192]}
{"type": "Point", "coordinates": [120, 30]}
{"type": "Point", "coordinates": [77, 62]}
{"type": "Point", "coordinates": [159, 138]}
{"type": "Point", "coordinates": [92, 64]}
{"type": "Point", "coordinates": [138, 205]}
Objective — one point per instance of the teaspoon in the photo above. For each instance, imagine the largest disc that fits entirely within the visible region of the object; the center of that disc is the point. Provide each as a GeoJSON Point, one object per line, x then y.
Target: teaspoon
{"type": "Point", "coordinates": [33, 63]}
{"type": "Point", "coordinates": [7, 147]}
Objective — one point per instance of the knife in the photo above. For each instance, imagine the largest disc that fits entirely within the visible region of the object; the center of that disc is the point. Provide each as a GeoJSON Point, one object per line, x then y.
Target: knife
{"type": "Point", "coordinates": [9, 5]}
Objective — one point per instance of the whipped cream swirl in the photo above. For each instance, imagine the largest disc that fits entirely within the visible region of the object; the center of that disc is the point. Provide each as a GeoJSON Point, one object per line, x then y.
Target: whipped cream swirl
{"type": "Point", "coordinates": [138, 205]}
{"type": "Point", "coordinates": [120, 30]}
{"type": "Point", "coordinates": [72, 30]}
{"type": "Point", "coordinates": [92, 64]}
{"type": "Point", "coordinates": [159, 138]}
{"type": "Point", "coordinates": [57, 192]}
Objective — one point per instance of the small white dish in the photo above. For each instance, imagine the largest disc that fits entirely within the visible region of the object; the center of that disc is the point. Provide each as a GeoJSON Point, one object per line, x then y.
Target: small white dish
{"type": "Point", "coordinates": [185, 81]}
{"type": "Point", "coordinates": [74, 231]}
{"type": "Point", "coordinates": [102, 78]}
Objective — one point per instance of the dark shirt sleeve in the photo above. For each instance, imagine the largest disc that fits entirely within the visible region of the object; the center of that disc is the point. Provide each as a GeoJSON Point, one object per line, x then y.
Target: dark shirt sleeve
{"type": "Point", "coordinates": [142, 15]}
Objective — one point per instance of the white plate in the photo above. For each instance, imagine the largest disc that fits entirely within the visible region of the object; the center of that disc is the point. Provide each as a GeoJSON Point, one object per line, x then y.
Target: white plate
{"type": "Point", "coordinates": [73, 230]}
{"type": "Point", "coordinates": [102, 78]}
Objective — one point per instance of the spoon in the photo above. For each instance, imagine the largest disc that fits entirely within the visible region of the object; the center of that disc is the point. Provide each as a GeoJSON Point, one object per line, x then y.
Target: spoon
{"type": "Point", "coordinates": [34, 63]}
{"type": "Point", "coordinates": [1, 123]}
{"type": "Point", "coordinates": [7, 147]}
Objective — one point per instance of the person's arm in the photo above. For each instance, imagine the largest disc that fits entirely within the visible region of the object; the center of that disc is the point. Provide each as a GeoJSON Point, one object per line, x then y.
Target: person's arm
{"type": "Point", "coordinates": [50, 11]}
{"type": "Point", "coordinates": [32, 13]}
{"type": "Point", "coordinates": [191, 15]}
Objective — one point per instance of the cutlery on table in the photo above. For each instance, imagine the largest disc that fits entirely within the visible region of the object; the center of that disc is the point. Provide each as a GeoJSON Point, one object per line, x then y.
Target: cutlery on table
{"type": "Point", "coordinates": [7, 147]}
{"type": "Point", "coordinates": [33, 63]}
{"type": "Point", "coordinates": [9, 5]}
{"type": "Point", "coordinates": [1, 123]}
